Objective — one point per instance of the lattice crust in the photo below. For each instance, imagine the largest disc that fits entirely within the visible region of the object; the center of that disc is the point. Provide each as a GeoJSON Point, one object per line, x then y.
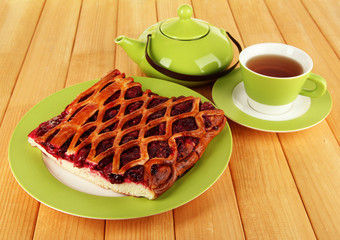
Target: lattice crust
{"type": "Point", "coordinates": [114, 122]}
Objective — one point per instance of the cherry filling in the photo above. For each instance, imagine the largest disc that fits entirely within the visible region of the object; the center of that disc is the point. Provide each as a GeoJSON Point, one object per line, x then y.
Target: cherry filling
{"type": "Point", "coordinates": [48, 125]}
{"type": "Point", "coordinates": [133, 107]}
{"type": "Point", "coordinates": [180, 108]}
{"type": "Point", "coordinates": [129, 155]}
{"type": "Point", "coordinates": [178, 98]}
{"type": "Point", "coordinates": [111, 113]}
{"type": "Point", "coordinates": [206, 106]}
{"type": "Point", "coordinates": [109, 128]}
{"type": "Point", "coordinates": [159, 149]}
{"type": "Point", "coordinates": [135, 174]}
{"type": "Point", "coordinates": [82, 99]}
{"type": "Point", "coordinates": [93, 118]}
{"type": "Point", "coordinates": [184, 124]}
{"type": "Point", "coordinates": [156, 101]}
{"type": "Point", "coordinates": [208, 123]}
{"type": "Point", "coordinates": [113, 97]}
{"type": "Point", "coordinates": [104, 145]}
{"type": "Point", "coordinates": [62, 150]}
{"type": "Point", "coordinates": [81, 155]}
{"type": "Point", "coordinates": [133, 92]}
{"type": "Point", "coordinates": [156, 115]}
{"type": "Point", "coordinates": [186, 146]}
{"type": "Point", "coordinates": [130, 136]}
{"type": "Point", "coordinates": [132, 122]}
{"type": "Point", "coordinates": [47, 144]}
{"type": "Point", "coordinates": [155, 131]}
{"type": "Point", "coordinates": [85, 135]}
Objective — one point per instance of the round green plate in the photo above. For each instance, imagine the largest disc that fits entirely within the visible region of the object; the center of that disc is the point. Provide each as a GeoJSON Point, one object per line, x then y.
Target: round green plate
{"type": "Point", "coordinates": [31, 173]}
{"type": "Point", "coordinates": [222, 95]}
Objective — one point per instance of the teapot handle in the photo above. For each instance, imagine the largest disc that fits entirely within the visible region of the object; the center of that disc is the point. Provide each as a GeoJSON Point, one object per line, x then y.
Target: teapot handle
{"type": "Point", "coordinates": [187, 77]}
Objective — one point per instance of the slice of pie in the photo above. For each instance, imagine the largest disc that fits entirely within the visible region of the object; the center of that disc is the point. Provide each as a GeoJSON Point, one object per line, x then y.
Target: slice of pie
{"type": "Point", "coordinates": [133, 142]}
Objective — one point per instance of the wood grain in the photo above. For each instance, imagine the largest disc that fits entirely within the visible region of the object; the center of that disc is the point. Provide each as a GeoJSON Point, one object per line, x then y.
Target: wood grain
{"type": "Point", "coordinates": [17, 24]}
{"type": "Point", "coordinates": [269, 202]}
{"type": "Point", "coordinates": [94, 48]}
{"type": "Point", "coordinates": [277, 186]}
{"type": "Point", "coordinates": [43, 72]}
{"type": "Point", "coordinates": [154, 227]}
{"type": "Point", "coordinates": [53, 224]}
{"type": "Point", "coordinates": [326, 15]}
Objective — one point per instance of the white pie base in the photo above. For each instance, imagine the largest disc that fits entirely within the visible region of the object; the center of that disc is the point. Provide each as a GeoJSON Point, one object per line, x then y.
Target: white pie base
{"type": "Point", "coordinates": [74, 181]}
{"type": "Point", "coordinates": [88, 181]}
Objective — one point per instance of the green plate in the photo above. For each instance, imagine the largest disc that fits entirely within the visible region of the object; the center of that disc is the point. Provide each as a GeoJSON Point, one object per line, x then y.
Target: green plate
{"type": "Point", "coordinates": [31, 173]}
{"type": "Point", "coordinates": [223, 94]}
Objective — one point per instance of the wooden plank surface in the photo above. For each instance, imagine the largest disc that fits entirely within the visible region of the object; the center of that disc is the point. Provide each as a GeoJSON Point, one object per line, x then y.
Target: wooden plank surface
{"type": "Point", "coordinates": [18, 21]}
{"type": "Point", "coordinates": [277, 186]}
{"type": "Point", "coordinates": [43, 72]}
{"type": "Point", "coordinates": [326, 15]}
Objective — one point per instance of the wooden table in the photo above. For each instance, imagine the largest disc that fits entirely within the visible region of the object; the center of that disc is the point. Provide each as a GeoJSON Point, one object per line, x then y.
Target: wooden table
{"type": "Point", "coordinates": [277, 185]}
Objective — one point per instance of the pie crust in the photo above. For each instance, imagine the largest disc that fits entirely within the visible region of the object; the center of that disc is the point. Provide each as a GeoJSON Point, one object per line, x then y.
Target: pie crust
{"type": "Point", "coordinates": [131, 141]}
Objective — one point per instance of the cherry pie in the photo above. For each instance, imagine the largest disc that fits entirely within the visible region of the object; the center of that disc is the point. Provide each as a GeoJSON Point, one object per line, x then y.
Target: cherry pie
{"type": "Point", "coordinates": [133, 142]}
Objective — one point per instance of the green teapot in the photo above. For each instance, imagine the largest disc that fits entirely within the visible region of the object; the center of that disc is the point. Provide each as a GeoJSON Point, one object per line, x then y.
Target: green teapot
{"type": "Point", "coordinates": [184, 50]}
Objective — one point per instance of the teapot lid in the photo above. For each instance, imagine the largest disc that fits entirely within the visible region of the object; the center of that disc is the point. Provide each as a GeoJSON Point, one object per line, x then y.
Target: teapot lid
{"type": "Point", "coordinates": [184, 27]}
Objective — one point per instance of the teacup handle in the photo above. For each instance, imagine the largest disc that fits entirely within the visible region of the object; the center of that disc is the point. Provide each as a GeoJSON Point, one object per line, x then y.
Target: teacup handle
{"type": "Point", "coordinates": [320, 86]}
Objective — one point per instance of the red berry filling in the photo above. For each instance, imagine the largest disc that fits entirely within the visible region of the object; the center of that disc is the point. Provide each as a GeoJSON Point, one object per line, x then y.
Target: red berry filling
{"type": "Point", "coordinates": [180, 108]}
{"type": "Point", "coordinates": [82, 99]}
{"type": "Point", "coordinates": [93, 118]}
{"type": "Point", "coordinates": [48, 125]}
{"type": "Point", "coordinates": [133, 107]}
{"type": "Point", "coordinates": [184, 124]}
{"type": "Point", "coordinates": [129, 155]}
{"type": "Point", "coordinates": [134, 121]}
{"type": "Point", "coordinates": [156, 101]}
{"type": "Point", "coordinates": [81, 155]}
{"type": "Point", "coordinates": [109, 128]}
{"type": "Point", "coordinates": [133, 92]}
{"type": "Point", "coordinates": [130, 136]}
{"type": "Point", "coordinates": [113, 97]}
{"type": "Point", "coordinates": [156, 115]}
{"type": "Point", "coordinates": [159, 149]}
{"type": "Point", "coordinates": [206, 106]}
{"type": "Point", "coordinates": [135, 174]}
{"type": "Point", "coordinates": [155, 131]}
{"type": "Point", "coordinates": [104, 145]}
{"type": "Point", "coordinates": [111, 113]}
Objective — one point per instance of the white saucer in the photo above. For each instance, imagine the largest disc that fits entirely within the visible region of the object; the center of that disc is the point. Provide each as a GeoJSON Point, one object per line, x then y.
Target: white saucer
{"type": "Point", "coordinates": [229, 95]}
{"type": "Point", "coordinates": [299, 107]}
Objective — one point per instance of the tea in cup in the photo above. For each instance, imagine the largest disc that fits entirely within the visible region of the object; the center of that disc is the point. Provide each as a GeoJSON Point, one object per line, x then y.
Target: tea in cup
{"type": "Point", "coordinates": [274, 75]}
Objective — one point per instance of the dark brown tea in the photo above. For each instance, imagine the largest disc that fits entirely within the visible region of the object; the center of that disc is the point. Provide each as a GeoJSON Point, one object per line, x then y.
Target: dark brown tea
{"type": "Point", "coordinates": [275, 66]}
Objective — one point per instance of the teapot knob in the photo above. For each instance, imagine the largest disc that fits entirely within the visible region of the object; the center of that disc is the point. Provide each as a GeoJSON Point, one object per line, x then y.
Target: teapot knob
{"type": "Point", "coordinates": [184, 12]}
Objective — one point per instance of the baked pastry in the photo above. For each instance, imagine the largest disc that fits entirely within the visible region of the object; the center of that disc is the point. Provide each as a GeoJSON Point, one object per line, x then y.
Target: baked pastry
{"type": "Point", "coordinates": [133, 142]}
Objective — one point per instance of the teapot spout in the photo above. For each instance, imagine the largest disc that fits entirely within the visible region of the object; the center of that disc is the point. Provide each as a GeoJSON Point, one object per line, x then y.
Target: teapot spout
{"type": "Point", "coordinates": [134, 48]}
